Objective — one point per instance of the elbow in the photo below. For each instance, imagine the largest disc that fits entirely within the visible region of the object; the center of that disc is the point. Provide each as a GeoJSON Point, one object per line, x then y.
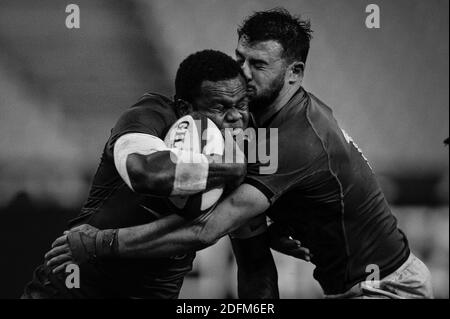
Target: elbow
{"type": "Point", "coordinates": [207, 237]}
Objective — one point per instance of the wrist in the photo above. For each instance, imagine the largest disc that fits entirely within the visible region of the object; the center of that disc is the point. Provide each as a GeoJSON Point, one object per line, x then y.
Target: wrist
{"type": "Point", "coordinates": [106, 243]}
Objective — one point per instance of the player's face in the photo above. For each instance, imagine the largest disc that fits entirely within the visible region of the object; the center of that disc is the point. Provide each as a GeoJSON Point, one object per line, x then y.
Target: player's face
{"type": "Point", "coordinates": [264, 69]}
{"type": "Point", "coordinates": [225, 103]}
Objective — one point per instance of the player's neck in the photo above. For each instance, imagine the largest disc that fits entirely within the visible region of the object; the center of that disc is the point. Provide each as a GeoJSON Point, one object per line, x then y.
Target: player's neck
{"type": "Point", "coordinates": [286, 94]}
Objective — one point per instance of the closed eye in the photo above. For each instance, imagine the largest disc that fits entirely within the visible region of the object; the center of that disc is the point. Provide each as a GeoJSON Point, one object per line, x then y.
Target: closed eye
{"type": "Point", "coordinates": [217, 108]}
{"type": "Point", "coordinates": [242, 106]}
{"type": "Point", "coordinates": [259, 65]}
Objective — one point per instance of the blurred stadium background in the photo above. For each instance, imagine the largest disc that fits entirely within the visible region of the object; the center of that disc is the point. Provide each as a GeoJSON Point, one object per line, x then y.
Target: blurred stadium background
{"type": "Point", "coordinates": [62, 90]}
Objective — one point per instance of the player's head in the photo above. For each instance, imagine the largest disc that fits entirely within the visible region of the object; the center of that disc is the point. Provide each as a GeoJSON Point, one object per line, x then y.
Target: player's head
{"type": "Point", "coordinates": [211, 83]}
{"type": "Point", "coordinates": [272, 51]}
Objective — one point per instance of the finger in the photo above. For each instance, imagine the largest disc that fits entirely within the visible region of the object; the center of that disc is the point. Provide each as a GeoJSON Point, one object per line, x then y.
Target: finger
{"type": "Point", "coordinates": [287, 243]}
{"type": "Point", "coordinates": [302, 253]}
{"type": "Point", "coordinates": [65, 232]}
{"type": "Point", "coordinates": [80, 228]}
{"type": "Point", "coordinates": [60, 241]}
{"type": "Point", "coordinates": [62, 267]}
{"type": "Point", "coordinates": [58, 260]}
{"type": "Point", "coordinates": [58, 250]}
{"type": "Point", "coordinates": [304, 249]}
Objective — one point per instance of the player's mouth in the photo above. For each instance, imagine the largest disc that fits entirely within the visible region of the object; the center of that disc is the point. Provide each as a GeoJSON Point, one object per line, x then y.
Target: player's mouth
{"type": "Point", "coordinates": [251, 90]}
{"type": "Point", "coordinates": [235, 131]}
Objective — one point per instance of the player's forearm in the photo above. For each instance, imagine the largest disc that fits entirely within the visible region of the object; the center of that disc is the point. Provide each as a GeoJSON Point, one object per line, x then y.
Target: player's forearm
{"type": "Point", "coordinates": [260, 283]}
{"type": "Point", "coordinates": [163, 238]}
{"type": "Point", "coordinates": [230, 174]}
{"type": "Point", "coordinates": [163, 174]}
{"type": "Point", "coordinates": [172, 235]}
{"type": "Point", "coordinates": [257, 273]}
{"type": "Point", "coordinates": [169, 236]}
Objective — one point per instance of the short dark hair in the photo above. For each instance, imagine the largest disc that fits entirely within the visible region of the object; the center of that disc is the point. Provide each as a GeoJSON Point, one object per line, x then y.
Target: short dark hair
{"type": "Point", "coordinates": [206, 65]}
{"type": "Point", "coordinates": [279, 25]}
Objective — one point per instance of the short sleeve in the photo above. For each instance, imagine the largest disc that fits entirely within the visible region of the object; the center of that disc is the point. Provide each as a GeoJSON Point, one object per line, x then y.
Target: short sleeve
{"type": "Point", "coordinates": [151, 117]}
{"type": "Point", "coordinates": [271, 185]}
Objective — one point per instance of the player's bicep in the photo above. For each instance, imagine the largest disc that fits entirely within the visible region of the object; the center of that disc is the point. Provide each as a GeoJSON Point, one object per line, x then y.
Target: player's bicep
{"type": "Point", "coordinates": [134, 143]}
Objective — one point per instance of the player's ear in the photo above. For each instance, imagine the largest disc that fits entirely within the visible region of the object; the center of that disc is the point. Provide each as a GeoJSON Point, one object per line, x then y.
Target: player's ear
{"type": "Point", "coordinates": [295, 72]}
{"type": "Point", "coordinates": [183, 107]}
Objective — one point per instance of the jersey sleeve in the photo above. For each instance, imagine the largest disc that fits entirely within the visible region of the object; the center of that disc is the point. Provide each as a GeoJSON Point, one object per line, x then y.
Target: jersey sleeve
{"type": "Point", "coordinates": [283, 165]}
{"type": "Point", "coordinates": [150, 117]}
{"type": "Point", "coordinates": [271, 185]}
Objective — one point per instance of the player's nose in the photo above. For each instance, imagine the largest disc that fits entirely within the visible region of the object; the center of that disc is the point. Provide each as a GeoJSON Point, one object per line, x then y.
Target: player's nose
{"type": "Point", "coordinates": [233, 115]}
{"type": "Point", "coordinates": [246, 70]}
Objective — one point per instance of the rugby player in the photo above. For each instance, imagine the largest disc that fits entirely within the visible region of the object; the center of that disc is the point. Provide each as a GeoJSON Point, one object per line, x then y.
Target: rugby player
{"type": "Point", "coordinates": [137, 174]}
{"type": "Point", "coordinates": [324, 192]}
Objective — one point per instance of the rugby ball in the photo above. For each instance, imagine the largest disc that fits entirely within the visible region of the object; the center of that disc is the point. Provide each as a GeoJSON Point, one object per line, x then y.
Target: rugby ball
{"type": "Point", "coordinates": [196, 134]}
